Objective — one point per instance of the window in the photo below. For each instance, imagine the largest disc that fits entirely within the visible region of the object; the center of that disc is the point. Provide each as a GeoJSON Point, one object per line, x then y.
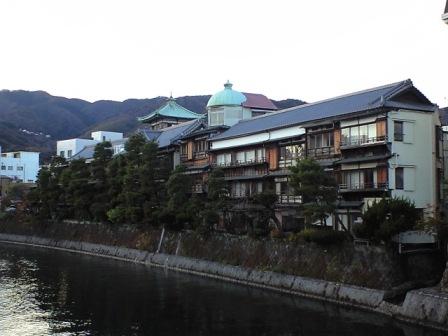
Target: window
{"type": "Point", "coordinates": [9, 167]}
{"type": "Point", "coordinates": [200, 146]}
{"type": "Point", "coordinates": [3, 167]}
{"type": "Point", "coordinates": [288, 154]}
{"type": "Point", "coordinates": [19, 168]}
{"type": "Point", "coordinates": [250, 156]}
{"type": "Point", "coordinates": [399, 178]}
{"type": "Point", "coordinates": [216, 117]}
{"type": "Point", "coordinates": [357, 135]}
{"type": "Point", "coordinates": [320, 140]}
{"type": "Point", "coordinates": [17, 155]}
{"type": "Point", "coordinates": [261, 154]}
{"type": "Point", "coordinates": [62, 154]}
{"type": "Point", "coordinates": [183, 149]}
{"type": "Point", "coordinates": [69, 153]}
{"type": "Point", "coordinates": [398, 130]}
{"type": "Point", "coordinates": [224, 159]}
{"type": "Point", "coordinates": [240, 157]}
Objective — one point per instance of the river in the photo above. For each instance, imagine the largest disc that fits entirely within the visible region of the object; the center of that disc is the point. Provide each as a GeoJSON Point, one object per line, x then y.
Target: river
{"type": "Point", "coordinates": [48, 292]}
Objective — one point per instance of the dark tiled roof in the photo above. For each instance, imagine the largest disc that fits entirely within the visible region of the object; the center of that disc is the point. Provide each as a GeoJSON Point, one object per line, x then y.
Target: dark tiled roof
{"type": "Point", "coordinates": [87, 152]}
{"type": "Point", "coordinates": [167, 136]}
{"type": "Point", "coordinates": [444, 116]}
{"type": "Point", "coordinates": [335, 107]}
{"type": "Point", "coordinates": [258, 101]}
{"type": "Point", "coordinates": [363, 159]}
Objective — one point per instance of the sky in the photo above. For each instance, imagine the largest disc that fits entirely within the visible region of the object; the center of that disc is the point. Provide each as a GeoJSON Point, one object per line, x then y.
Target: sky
{"type": "Point", "coordinates": [309, 50]}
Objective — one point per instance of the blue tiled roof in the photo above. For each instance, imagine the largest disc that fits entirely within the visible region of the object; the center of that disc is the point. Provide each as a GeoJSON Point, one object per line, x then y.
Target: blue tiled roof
{"type": "Point", "coordinates": [171, 109]}
{"type": "Point", "coordinates": [334, 107]}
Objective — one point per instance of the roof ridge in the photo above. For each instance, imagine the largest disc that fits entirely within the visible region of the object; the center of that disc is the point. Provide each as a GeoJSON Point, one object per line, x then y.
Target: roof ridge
{"type": "Point", "coordinates": [325, 100]}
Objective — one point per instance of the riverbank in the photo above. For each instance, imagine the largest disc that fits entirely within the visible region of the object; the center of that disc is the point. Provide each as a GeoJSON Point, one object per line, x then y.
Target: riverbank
{"type": "Point", "coordinates": [427, 307]}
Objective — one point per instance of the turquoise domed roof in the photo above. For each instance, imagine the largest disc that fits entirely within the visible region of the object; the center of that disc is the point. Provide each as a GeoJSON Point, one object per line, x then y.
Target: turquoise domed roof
{"type": "Point", "coordinates": [228, 96]}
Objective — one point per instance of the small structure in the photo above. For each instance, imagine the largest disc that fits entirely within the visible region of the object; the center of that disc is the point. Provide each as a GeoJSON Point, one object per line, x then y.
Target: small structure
{"type": "Point", "coordinates": [227, 107]}
{"type": "Point", "coordinates": [71, 147]}
{"type": "Point", "coordinates": [19, 166]}
{"type": "Point", "coordinates": [416, 241]}
{"type": "Point", "coordinates": [169, 114]}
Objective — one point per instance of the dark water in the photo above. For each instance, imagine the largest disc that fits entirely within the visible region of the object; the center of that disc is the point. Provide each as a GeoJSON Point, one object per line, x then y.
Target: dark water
{"type": "Point", "coordinates": [45, 292]}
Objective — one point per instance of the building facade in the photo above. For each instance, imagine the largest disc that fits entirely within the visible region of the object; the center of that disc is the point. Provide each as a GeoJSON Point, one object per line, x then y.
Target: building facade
{"type": "Point", "coordinates": [72, 147]}
{"type": "Point", "coordinates": [381, 142]}
{"type": "Point", "coordinates": [19, 166]}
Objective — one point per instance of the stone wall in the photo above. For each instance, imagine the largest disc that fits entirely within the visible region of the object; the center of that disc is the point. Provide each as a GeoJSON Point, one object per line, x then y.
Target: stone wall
{"type": "Point", "coordinates": [372, 267]}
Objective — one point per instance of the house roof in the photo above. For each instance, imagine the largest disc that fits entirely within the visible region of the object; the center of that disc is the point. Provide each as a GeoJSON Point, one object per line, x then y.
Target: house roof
{"type": "Point", "coordinates": [227, 97]}
{"type": "Point", "coordinates": [170, 109]}
{"type": "Point", "coordinates": [230, 97]}
{"type": "Point", "coordinates": [444, 116]}
{"type": "Point", "coordinates": [258, 101]}
{"type": "Point", "coordinates": [87, 152]}
{"type": "Point", "coordinates": [390, 96]}
{"type": "Point", "coordinates": [167, 136]}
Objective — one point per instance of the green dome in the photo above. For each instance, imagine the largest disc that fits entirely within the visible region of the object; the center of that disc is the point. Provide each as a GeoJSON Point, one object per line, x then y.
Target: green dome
{"type": "Point", "coordinates": [227, 97]}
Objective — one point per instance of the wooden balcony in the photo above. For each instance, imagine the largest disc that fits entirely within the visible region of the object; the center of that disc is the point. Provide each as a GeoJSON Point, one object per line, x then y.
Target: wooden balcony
{"type": "Point", "coordinates": [289, 199]}
{"type": "Point", "coordinates": [237, 163]}
{"type": "Point", "coordinates": [363, 141]}
{"type": "Point", "coordinates": [363, 187]}
{"type": "Point", "coordinates": [321, 153]}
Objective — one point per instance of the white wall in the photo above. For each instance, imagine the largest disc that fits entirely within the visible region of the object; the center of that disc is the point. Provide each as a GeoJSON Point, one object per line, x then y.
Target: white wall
{"type": "Point", "coordinates": [74, 145]}
{"type": "Point", "coordinates": [283, 133]}
{"type": "Point", "coordinates": [25, 166]}
{"type": "Point", "coordinates": [101, 136]}
{"type": "Point", "coordinates": [416, 154]}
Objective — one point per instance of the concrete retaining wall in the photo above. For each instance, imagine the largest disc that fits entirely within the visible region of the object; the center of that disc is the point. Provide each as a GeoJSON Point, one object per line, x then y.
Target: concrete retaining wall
{"type": "Point", "coordinates": [421, 307]}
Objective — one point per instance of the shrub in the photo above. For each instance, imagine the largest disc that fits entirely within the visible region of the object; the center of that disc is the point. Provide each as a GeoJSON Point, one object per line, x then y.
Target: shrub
{"type": "Point", "coordinates": [116, 215]}
{"type": "Point", "coordinates": [386, 218]}
{"type": "Point", "coordinates": [321, 237]}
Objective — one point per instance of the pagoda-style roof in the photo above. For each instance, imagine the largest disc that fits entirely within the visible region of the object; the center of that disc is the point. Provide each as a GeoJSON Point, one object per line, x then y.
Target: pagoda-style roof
{"type": "Point", "coordinates": [170, 110]}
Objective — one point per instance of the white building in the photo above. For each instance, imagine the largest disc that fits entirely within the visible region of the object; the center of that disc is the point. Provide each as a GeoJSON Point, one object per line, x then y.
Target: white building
{"type": "Point", "coordinates": [71, 147]}
{"type": "Point", "coordinates": [20, 166]}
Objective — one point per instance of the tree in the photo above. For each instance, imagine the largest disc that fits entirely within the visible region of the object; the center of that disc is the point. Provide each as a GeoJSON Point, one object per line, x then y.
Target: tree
{"type": "Point", "coordinates": [386, 218]}
{"type": "Point", "coordinates": [46, 199]}
{"type": "Point", "coordinates": [100, 201]}
{"type": "Point", "coordinates": [218, 200]}
{"type": "Point", "coordinates": [317, 189]}
{"type": "Point", "coordinates": [263, 212]}
{"type": "Point", "coordinates": [178, 189]}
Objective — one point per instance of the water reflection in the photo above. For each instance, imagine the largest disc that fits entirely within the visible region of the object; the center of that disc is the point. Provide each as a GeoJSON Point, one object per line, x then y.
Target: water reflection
{"type": "Point", "coordinates": [44, 292]}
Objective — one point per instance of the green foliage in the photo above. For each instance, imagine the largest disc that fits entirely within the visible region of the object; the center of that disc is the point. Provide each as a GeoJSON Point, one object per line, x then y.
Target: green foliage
{"type": "Point", "coordinates": [262, 212]}
{"type": "Point", "coordinates": [316, 187]}
{"type": "Point", "coordinates": [387, 218]}
{"type": "Point", "coordinates": [321, 236]}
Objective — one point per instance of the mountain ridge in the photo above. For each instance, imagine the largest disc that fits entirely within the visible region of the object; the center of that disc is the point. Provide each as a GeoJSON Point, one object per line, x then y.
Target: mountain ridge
{"type": "Point", "coordinates": [35, 120]}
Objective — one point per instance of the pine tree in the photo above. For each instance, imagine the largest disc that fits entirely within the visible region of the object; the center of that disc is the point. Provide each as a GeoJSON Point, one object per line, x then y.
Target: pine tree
{"type": "Point", "coordinates": [316, 187]}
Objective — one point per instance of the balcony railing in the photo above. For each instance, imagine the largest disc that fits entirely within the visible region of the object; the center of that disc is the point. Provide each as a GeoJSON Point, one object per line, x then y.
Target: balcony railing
{"type": "Point", "coordinates": [360, 141]}
{"type": "Point", "coordinates": [321, 153]}
{"type": "Point", "coordinates": [237, 163]}
{"type": "Point", "coordinates": [289, 161]}
{"type": "Point", "coordinates": [197, 189]}
{"type": "Point", "coordinates": [363, 186]}
{"type": "Point", "coordinates": [289, 199]}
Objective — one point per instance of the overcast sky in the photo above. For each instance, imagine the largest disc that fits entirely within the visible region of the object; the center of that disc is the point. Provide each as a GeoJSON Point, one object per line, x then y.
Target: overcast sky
{"type": "Point", "coordinates": [311, 50]}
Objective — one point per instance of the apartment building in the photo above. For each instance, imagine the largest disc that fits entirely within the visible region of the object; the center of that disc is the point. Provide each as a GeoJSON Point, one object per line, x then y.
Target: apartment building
{"type": "Point", "coordinates": [379, 142]}
{"type": "Point", "coordinates": [19, 166]}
